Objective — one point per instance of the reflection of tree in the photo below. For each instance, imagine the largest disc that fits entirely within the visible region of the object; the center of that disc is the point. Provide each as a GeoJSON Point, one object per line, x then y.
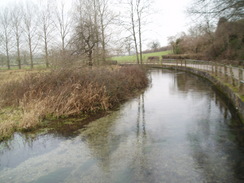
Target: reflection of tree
{"type": "Point", "coordinates": [141, 118]}
{"type": "Point", "coordinates": [140, 160]}
{"type": "Point", "coordinates": [98, 137]}
{"type": "Point", "coordinates": [102, 140]}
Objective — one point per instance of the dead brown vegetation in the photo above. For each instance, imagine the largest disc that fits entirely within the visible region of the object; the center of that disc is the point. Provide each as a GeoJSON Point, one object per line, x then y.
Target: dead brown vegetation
{"type": "Point", "coordinates": [225, 42]}
{"type": "Point", "coordinates": [70, 92]}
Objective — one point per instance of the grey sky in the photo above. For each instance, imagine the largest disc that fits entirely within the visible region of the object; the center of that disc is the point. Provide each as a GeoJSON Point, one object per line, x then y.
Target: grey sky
{"type": "Point", "coordinates": [168, 20]}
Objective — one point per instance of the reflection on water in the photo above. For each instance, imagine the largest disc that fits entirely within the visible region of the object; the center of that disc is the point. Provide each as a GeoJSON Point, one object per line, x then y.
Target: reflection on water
{"type": "Point", "coordinates": [178, 130]}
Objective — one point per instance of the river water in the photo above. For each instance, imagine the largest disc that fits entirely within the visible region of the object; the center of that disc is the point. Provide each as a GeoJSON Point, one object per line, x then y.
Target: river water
{"type": "Point", "coordinates": [179, 130]}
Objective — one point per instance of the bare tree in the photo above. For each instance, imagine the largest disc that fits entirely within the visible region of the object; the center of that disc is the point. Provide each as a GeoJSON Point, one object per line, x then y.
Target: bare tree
{"type": "Point", "coordinates": [63, 24]}
{"type": "Point", "coordinates": [86, 35]}
{"type": "Point", "coordinates": [6, 33]}
{"type": "Point", "coordinates": [138, 11]}
{"type": "Point", "coordinates": [142, 8]}
{"type": "Point", "coordinates": [102, 17]}
{"type": "Point", "coordinates": [47, 26]}
{"type": "Point", "coordinates": [94, 13]}
{"type": "Point", "coordinates": [231, 9]}
{"type": "Point", "coordinates": [133, 26]}
{"type": "Point", "coordinates": [128, 45]}
{"type": "Point", "coordinates": [16, 20]}
{"type": "Point", "coordinates": [97, 15]}
{"type": "Point", "coordinates": [154, 45]}
{"type": "Point", "coordinates": [30, 28]}
{"type": "Point", "coordinates": [107, 17]}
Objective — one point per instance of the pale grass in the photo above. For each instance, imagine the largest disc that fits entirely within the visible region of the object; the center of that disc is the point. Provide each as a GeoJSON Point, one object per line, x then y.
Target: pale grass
{"type": "Point", "coordinates": [65, 93]}
{"type": "Point", "coordinates": [12, 75]}
{"type": "Point", "coordinates": [9, 121]}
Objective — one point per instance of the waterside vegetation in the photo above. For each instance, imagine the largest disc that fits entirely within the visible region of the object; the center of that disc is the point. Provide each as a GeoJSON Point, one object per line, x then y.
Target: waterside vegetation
{"type": "Point", "coordinates": [26, 102]}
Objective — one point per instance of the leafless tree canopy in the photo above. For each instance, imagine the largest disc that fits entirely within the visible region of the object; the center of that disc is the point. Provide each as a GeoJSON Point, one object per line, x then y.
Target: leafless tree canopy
{"type": "Point", "coordinates": [49, 32]}
{"type": "Point", "coordinates": [138, 11]}
{"type": "Point", "coordinates": [92, 19]}
{"type": "Point", "coordinates": [231, 9]}
{"type": "Point", "coordinates": [154, 45]}
{"type": "Point", "coordinates": [6, 34]}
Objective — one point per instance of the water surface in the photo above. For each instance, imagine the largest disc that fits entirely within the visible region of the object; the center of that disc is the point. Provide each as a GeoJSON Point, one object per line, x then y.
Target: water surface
{"type": "Point", "coordinates": [178, 130]}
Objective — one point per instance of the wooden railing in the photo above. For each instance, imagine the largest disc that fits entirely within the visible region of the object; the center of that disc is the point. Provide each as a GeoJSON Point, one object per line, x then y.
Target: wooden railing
{"type": "Point", "coordinates": [233, 76]}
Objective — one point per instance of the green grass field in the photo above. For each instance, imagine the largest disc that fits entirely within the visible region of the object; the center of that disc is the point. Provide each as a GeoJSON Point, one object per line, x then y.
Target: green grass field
{"type": "Point", "coordinates": [132, 58]}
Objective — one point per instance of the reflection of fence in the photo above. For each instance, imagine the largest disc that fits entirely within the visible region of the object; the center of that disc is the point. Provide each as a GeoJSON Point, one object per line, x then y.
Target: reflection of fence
{"type": "Point", "coordinates": [233, 76]}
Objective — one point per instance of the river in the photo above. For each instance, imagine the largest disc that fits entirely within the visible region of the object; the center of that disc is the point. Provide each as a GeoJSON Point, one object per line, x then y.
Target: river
{"type": "Point", "coordinates": [180, 129]}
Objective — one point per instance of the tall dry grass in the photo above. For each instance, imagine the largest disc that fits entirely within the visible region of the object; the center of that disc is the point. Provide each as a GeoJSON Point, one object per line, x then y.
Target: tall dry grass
{"type": "Point", "coordinates": [70, 92]}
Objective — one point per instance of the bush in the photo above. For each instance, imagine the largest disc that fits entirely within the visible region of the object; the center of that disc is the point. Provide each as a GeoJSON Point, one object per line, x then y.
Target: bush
{"type": "Point", "coordinates": [69, 92]}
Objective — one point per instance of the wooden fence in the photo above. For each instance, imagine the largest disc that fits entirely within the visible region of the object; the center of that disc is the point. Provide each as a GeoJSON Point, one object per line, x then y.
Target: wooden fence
{"type": "Point", "coordinates": [233, 76]}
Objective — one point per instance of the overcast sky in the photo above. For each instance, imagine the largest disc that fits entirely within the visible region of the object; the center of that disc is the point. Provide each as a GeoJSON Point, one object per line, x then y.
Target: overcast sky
{"type": "Point", "coordinates": [168, 19]}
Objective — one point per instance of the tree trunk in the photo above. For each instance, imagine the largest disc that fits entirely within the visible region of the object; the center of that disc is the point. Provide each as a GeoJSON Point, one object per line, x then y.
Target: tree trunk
{"type": "Point", "coordinates": [90, 58]}
{"type": "Point", "coordinates": [31, 54]}
{"type": "Point", "coordinates": [140, 40]}
{"type": "Point", "coordinates": [46, 49]}
{"type": "Point", "coordinates": [8, 59]}
{"type": "Point", "coordinates": [134, 31]}
{"type": "Point", "coordinates": [46, 55]}
{"type": "Point", "coordinates": [63, 47]}
{"type": "Point", "coordinates": [103, 43]}
{"type": "Point", "coordinates": [18, 52]}
{"type": "Point", "coordinates": [18, 47]}
{"type": "Point", "coordinates": [138, 11]}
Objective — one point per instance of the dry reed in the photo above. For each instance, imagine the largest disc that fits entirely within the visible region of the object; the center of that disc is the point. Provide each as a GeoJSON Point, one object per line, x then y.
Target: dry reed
{"type": "Point", "coordinates": [69, 92]}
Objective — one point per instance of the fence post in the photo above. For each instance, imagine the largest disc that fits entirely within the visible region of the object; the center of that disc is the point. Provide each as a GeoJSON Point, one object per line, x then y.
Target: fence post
{"type": "Point", "coordinates": [240, 82]}
{"type": "Point", "coordinates": [240, 74]}
{"type": "Point", "coordinates": [226, 74]}
{"type": "Point", "coordinates": [212, 67]}
{"type": "Point", "coordinates": [216, 69]}
{"type": "Point", "coordinates": [232, 76]}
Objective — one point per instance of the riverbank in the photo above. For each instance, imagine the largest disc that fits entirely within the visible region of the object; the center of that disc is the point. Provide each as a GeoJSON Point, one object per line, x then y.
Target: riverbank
{"type": "Point", "coordinates": [36, 98]}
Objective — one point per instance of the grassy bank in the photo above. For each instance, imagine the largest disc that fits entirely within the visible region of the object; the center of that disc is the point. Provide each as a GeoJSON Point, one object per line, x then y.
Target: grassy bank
{"type": "Point", "coordinates": [27, 101]}
{"type": "Point", "coordinates": [132, 58]}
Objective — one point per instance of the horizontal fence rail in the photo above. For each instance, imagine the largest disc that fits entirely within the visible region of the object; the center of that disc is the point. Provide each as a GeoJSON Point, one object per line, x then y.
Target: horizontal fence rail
{"type": "Point", "coordinates": [233, 76]}
{"type": "Point", "coordinates": [16, 66]}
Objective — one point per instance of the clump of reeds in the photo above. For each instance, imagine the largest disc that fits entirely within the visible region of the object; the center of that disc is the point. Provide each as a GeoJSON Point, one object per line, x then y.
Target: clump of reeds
{"type": "Point", "coordinates": [70, 92]}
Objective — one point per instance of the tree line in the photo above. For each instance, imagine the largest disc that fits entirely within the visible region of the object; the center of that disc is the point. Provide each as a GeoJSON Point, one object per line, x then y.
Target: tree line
{"type": "Point", "coordinates": [218, 34]}
{"type": "Point", "coordinates": [57, 32]}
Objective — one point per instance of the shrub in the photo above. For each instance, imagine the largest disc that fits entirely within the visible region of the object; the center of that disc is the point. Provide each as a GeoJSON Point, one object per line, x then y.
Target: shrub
{"type": "Point", "coordinates": [69, 92]}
